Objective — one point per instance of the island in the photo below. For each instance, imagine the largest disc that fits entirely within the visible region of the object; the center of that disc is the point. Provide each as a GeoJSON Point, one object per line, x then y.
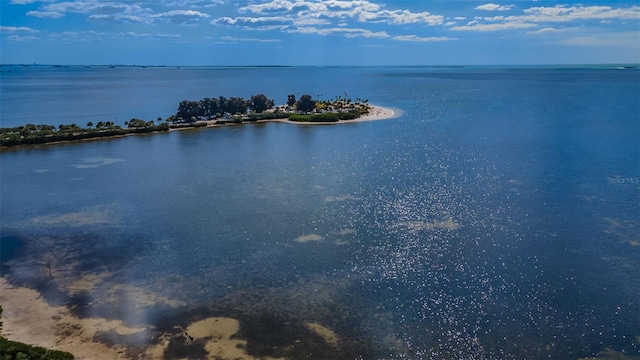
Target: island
{"type": "Point", "coordinates": [208, 112]}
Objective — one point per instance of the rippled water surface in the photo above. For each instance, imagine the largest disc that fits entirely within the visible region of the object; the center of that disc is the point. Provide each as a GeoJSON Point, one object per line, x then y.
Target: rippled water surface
{"type": "Point", "coordinates": [496, 218]}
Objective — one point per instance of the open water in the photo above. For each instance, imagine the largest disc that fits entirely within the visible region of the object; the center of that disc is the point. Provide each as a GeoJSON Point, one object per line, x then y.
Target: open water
{"type": "Point", "coordinates": [496, 218]}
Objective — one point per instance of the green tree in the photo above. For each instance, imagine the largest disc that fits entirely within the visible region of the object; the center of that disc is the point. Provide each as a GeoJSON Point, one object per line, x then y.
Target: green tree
{"type": "Point", "coordinates": [210, 107]}
{"type": "Point", "coordinates": [235, 105]}
{"type": "Point", "coordinates": [89, 124]}
{"type": "Point", "coordinates": [187, 109]}
{"type": "Point", "coordinates": [136, 123]}
{"type": "Point", "coordinates": [259, 103]}
{"type": "Point", "coordinates": [291, 100]}
{"type": "Point", "coordinates": [306, 103]}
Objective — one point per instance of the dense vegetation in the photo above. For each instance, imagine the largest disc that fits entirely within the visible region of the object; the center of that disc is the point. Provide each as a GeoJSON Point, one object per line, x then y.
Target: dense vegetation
{"type": "Point", "coordinates": [196, 114]}
{"type": "Point", "coordinates": [40, 134]}
{"type": "Point", "coordinates": [10, 350]}
{"type": "Point", "coordinates": [259, 107]}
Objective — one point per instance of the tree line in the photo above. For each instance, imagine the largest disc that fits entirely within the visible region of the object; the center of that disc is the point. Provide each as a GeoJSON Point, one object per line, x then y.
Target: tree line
{"type": "Point", "coordinates": [191, 114]}
{"type": "Point", "coordinates": [261, 107]}
{"type": "Point", "coordinates": [211, 108]}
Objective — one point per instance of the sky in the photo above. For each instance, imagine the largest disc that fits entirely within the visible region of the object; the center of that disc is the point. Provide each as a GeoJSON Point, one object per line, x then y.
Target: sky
{"type": "Point", "coordinates": [319, 32]}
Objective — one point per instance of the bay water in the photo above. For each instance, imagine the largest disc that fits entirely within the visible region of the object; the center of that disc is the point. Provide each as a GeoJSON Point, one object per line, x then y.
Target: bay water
{"type": "Point", "coordinates": [495, 217]}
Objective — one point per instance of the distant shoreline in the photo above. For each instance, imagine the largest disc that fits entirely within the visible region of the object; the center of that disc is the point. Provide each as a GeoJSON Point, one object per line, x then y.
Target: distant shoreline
{"type": "Point", "coordinates": [375, 113]}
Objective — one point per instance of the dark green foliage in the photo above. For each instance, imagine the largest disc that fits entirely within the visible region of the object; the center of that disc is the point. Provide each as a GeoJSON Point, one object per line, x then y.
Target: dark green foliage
{"type": "Point", "coordinates": [350, 115]}
{"type": "Point", "coordinates": [15, 350]}
{"type": "Point", "coordinates": [291, 100]}
{"type": "Point", "coordinates": [236, 106]}
{"type": "Point", "coordinates": [259, 103]}
{"type": "Point", "coordinates": [300, 117]}
{"type": "Point", "coordinates": [327, 117]}
{"type": "Point", "coordinates": [236, 120]}
{"type": "Point", "coordinates": [10, 350]}
{"type": "Point", "coordinates": [136, 123]}
{"type": "Point", "coordinates": [306, 103]}
{"type": "Point", "coordinates": [268, 115]}
{"type": "Point", "coordinates": [210, 107]}
{"type": "Point", "coordinates": [187, 109]}
{"type": "Point", "coordinates": [42, 134]}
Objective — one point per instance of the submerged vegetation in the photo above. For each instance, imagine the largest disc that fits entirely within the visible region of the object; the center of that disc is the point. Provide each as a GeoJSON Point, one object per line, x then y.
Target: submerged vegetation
{"type": "Point", "coordinates": [194, 114]}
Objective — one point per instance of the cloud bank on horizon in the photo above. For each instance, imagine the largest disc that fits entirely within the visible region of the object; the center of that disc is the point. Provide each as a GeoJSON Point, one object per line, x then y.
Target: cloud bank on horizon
{"type": "Point", "coordinates": [319, 32]}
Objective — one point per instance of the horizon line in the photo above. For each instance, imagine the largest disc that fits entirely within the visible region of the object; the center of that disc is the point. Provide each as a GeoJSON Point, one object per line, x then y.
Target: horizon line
{"type": "Point", "coordinates": [321, 66]}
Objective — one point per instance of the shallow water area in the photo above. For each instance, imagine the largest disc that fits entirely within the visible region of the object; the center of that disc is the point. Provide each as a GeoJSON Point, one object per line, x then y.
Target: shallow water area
{"type": "Point", "coordinates": [463, 228]}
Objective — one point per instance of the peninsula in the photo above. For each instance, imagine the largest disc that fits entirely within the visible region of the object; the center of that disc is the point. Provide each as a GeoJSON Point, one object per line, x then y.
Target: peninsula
{"type": "Point", "coordinates": [208, 112]}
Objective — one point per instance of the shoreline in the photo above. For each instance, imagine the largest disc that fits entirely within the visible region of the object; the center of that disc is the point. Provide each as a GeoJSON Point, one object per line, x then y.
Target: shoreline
{"type": "Point", "coordinates": [28, 318]}
{"type": "Point", "coordinates": [376, 113]}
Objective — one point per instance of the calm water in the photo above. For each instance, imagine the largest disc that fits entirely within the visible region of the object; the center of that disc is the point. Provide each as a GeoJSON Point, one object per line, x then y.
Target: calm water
{"type": "Point", "coordinates": [496, 218]}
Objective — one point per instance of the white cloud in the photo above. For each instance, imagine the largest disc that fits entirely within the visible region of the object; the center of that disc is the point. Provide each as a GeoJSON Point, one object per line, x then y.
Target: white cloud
{"type": "Point", "coordinates": [17, 29]}
{"type": "Point", "coordinates": [543, 30]}
{"type": "Point", "coordinates": [236, 39]}
{"type": "Point", "coordinates": [408, 17]}
{"type": "Point", "coordinates": [347, 32]}
{"type": "Point", "coordinates": [561, 13]}
{"type": "Point", "coordinates": [362, 11]}
{"type": "Point", "coordinates": [422, 39]}
{"type": "Point", "coordinates": [475, 26]}
{"type": "Point", "coordinates": [132, 35]}
{"type": "Point", "coordinates": [541, 16]}
{"type": "Point", "coordinates": [189, 13]}
{"type": "Point", "coordinates": [19, 38]}
{"type": "Point", "coordinates": [87, 6]}
{"type": "Point", "coordinates": [184, 17]}
{"type": "Point", "coordinates": [245, 20]}
{"type": "Point", "coordinates": [22, 2]}
{"type": "Point", "coordinates": [325, 17]}
{"type": "Point", "coordinates": [107, 11]}
{"type": "Point", "coordinates": [108, 18]}
{"type": "Point", "coordinates": [494, 7]}
{"type": "Point", "coordinates": [312, 21]}
{"type": "Point", "coordinates": [45, 14]}
{"type": "Point", "coordinates": [195, 3]}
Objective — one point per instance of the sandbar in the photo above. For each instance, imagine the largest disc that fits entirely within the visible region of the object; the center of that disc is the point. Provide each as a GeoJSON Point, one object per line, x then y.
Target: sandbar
{"type": "Point", "coordinates": [28, 318]}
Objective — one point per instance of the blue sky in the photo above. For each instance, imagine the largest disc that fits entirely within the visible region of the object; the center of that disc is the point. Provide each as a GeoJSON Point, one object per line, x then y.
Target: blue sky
{"type": "Point", "coordinates": [319, 32]}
